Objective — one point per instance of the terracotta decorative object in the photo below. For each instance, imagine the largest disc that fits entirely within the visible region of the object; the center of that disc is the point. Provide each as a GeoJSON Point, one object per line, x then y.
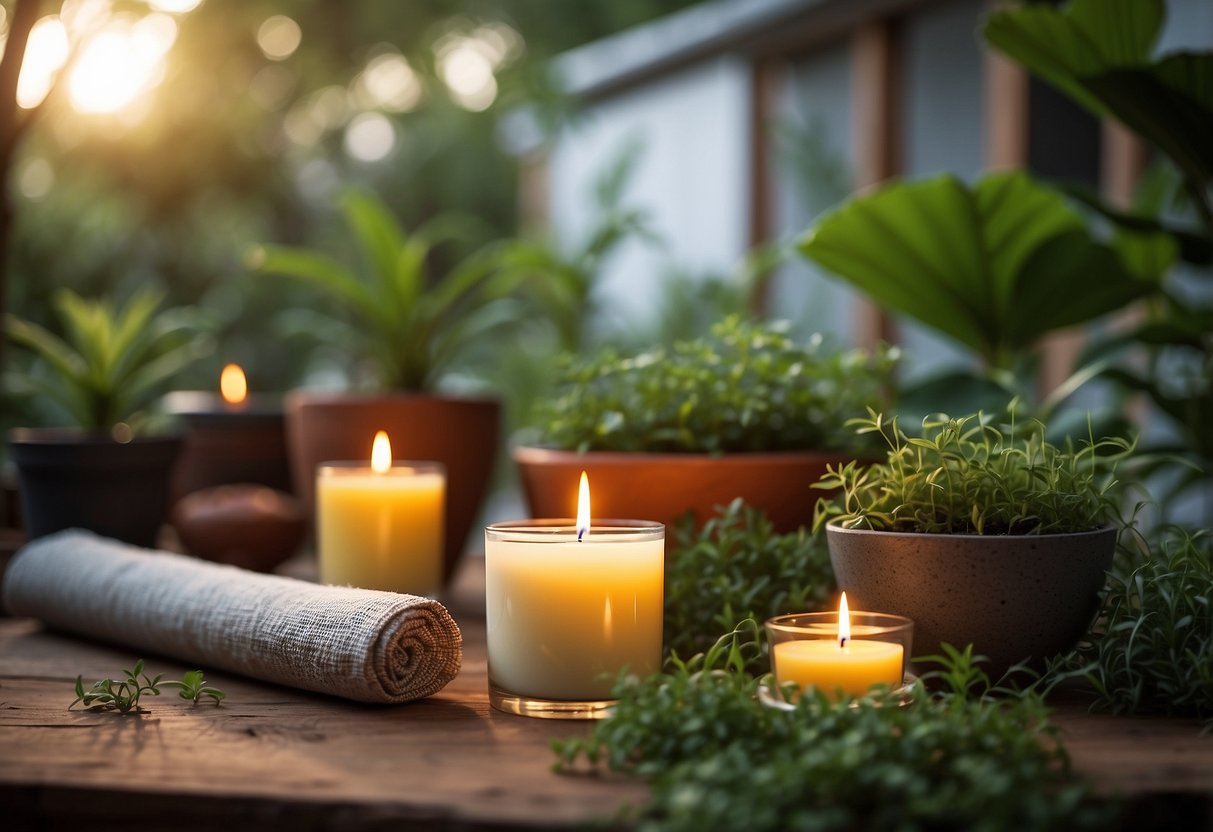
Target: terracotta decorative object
{"type": "Point", "coordinates": [1014, 597]}
{"type": "Point", "coordinates": [246, 525]}
{"type": "Point", "coordinates": [461, 433]}
{"type": "Point", "coordinates": [663, 487]}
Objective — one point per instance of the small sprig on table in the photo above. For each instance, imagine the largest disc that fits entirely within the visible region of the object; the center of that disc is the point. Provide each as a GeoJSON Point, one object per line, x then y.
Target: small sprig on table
{"type": "Point", "coordinates": [124, 695]}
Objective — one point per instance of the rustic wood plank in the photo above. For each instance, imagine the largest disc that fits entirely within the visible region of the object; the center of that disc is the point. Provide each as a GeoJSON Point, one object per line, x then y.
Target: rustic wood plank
{"type": "Point", "coordinates": [272, 756]}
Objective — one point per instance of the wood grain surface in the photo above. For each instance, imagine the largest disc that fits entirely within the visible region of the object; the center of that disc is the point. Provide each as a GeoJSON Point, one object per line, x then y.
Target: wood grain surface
{"type": "Point", "coordinates": [271, 757]}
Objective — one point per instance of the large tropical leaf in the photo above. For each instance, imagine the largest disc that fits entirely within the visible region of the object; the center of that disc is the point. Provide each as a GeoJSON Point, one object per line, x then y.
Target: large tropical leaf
{"type": "Point", "coordinates": [994, 266]}
{"type": "Point", "coordinates": [1098, 53]}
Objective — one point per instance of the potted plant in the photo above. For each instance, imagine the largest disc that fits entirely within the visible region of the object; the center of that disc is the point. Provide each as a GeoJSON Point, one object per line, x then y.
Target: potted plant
{"type": "Point", "coordinates": [413, 331]}
{"type": "Point", "coordinates": [746, 412]}
{"type": "Point", "coordinates": [983, 534]}
{"type": "Point", "coordinates": [101, 473]}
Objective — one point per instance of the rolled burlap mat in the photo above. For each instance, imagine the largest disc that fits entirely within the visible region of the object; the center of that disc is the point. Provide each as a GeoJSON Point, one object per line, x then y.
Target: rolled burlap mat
{"type": "Point", "coordinates": [360, 644]}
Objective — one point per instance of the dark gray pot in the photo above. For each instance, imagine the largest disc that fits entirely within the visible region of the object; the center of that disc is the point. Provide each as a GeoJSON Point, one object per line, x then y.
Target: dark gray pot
{"type": "Point", "coordinates": [1014, 598]}
{"type": "Point", "coordinates": [78, 480]}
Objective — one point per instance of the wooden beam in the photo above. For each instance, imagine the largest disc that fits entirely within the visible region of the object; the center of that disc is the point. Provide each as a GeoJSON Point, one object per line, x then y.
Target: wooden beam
{"type": "Point", "coordinates": [766, 81]}
{"type": "Point", "coordinates": [1005, 113]}
{"type": "Point", "coordinates": [875, 65]}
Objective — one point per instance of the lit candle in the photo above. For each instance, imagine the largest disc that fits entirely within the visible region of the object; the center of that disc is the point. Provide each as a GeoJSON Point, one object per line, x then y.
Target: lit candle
{"type": "Point", "coordinates": [840, 663]}
{"type": "Point", "coordinates": [569, 605]}
{"type": "Point", "coordinates": [381, 527]}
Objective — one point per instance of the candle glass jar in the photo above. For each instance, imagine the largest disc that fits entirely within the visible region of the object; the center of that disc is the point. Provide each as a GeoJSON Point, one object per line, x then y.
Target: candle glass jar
{"type": "Point", "coordinates": [381, 529]}
{"type": "Point", "coordinates": [564, 616]}
{"type": "Point", "coordinates": [805, 650]}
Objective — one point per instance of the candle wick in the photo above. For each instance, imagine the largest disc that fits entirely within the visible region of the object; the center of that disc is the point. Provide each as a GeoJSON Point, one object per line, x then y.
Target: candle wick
{"type": "Point", "coordinates": [580, 534]}
{"type": "Point", "coordinates": [842, 642]}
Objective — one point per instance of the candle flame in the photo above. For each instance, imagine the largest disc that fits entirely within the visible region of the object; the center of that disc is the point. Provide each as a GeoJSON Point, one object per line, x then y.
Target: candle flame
{"type": "Point", "coordinates": [844, 622]}
{"type": "Point", "coordinates": [381, 453]}
{"type": "Point", "coordinates": [583, 507]}
{"type": "Point", "coordinates": [232, 384]}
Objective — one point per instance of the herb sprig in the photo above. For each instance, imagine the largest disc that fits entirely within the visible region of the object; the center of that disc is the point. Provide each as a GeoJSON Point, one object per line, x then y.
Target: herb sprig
{"type": "Point", "coordinates": [969, 475]}
{"type": "Point", "coordinates": [125, 694]}
{"type": "Point", "coordinates": [958, 758]}
{"type": "Point", "coordinates": [736, 567]}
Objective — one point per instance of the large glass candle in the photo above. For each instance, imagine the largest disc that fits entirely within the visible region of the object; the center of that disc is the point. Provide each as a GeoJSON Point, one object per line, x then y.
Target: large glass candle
{"type": "Point", "coordinates": [381, 527]}
{"type": "Point", "coordinates": [567, 609]}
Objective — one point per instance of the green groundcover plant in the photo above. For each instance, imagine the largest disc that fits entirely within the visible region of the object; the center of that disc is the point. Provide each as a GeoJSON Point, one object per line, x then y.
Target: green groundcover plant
{"type": "Point", "coordinates": [1151, 649]}
{"type": "Point", "coordinates": [969, 475]}
{"type": "Point", "coordinates": [736, 567]}
{"type": "Point", "coordinates": [958, 758]}
{"type": "Point", "coordinates": [746, 387]}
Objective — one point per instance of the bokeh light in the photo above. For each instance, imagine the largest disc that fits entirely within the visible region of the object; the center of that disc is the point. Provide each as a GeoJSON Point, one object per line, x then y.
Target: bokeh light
{"type": "Point", "coordinates": [279, 36]}
{"type": "Point", "coordinates": [45, 54]}
{"type": "Point", "coordinates": [369, 137]}
{"type": "Point", "coordinates": [466, 68]}
{"type": "Point", "coordinates": [119, 63]}
{"type": "Point", "coordinates": [388, 83]}
{"type": "Point", "coordinates": [174, 6]}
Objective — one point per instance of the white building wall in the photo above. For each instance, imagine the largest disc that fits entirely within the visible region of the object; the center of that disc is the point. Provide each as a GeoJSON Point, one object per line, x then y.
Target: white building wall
{"type": "Point", "coordinates": [691, 128]}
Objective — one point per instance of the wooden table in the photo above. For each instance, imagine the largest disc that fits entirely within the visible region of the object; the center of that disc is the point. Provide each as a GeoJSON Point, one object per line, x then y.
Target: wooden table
{"type": "Point", "coordinates": [272, 756]}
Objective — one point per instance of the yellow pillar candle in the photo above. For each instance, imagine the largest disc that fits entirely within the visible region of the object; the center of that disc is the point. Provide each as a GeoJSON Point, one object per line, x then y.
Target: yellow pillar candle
{"type": "Point", "coordinates": [568, 606]}
{"type": "Point", "coordinates": [381, 527]}
{"type": "Point", "coordinates": [835, 662]}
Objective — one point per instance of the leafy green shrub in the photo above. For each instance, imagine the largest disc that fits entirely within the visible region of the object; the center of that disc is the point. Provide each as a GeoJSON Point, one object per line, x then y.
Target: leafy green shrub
{"type": "Point", "coordinates": [747, 387]}
{"type": "Point", "coordinates": [112, 362]}
{"type": "Point", "coordinates": [969, 476]}
{"type": "Point", "coordinates": [956, 759]}
{"type": "Point", "coordinates": [1151, 649]}
{"type": "Point", "coordinates": [735, 568]}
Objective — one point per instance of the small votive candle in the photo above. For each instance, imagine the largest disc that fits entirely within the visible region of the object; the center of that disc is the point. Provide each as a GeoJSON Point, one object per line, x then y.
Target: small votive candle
{"type": "Point", "coordinates": [381, 526]}
{"type": "Point", "coordinates": [840, 654]}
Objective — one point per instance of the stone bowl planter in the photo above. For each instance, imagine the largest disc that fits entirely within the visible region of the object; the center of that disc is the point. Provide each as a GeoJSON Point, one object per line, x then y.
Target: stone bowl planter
{"type": "Point", "coordinates": [663, 487]}
{"type": "Point", "coordinates": [1015, 598]}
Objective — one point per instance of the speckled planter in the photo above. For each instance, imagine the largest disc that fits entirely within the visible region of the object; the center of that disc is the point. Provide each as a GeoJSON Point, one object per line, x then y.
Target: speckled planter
{"type": "Point", "coordinates": [1013, 597]}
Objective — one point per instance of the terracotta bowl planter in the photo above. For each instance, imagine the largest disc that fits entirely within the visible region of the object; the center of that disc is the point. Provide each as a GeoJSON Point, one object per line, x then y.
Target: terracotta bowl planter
{"type": "Point", "coordinates": [71, 479]}
{"type": "Point", "coordinates": [1013, 597]}
{"type": "Point", "coordinates": [461, 433]}
{"type": "Point", "coordinates": [663, 487]}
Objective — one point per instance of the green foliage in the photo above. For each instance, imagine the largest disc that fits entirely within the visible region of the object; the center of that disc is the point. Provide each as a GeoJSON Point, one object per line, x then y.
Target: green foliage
{"type": "Point", "coordinates": [1151, 649]}
{"type": "Point", "coordinates": [112, 362]}
{"type": "Point", "coordinates": [124, 695]}
{"type": "Point", "coordinates": [193, 686]}
{"type": "Point", "coordinates": [994, 266]}
{"type": "Point", "coordinates": [1098, 52]}
{"type": "Point", "coordinates": [413, 329]}
{"type": "Point", "coordinates": [956, 759]}
{"type": "Point", "coordinates": [747, 387]}
{"type": "Point", "coordinates": [970, 476]}
{"type": "Point", "coordinates": [735, 568]}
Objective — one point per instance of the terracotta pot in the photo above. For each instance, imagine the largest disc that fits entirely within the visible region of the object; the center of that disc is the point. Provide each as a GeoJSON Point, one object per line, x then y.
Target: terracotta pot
{"type": "Point", "coordinates": [1014, 597]}
{"type": "Point", "coordinates": [71, 479]}
{"type": "Point", "coordinates": [663, 487]}
{"type": "Point", "coordinates": [461, 433]}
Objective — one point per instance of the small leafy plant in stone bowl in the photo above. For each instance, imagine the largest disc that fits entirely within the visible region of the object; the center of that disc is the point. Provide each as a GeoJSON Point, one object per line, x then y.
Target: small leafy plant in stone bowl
{"type": "Point", "coordinates": [748, 411]}
{"type": "Point", "coordinates": [983, 533]}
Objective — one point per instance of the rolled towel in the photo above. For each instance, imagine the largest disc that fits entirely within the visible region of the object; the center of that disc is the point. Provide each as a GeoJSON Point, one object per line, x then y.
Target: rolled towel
{"type": "Point", "coordinates": [361, 644]}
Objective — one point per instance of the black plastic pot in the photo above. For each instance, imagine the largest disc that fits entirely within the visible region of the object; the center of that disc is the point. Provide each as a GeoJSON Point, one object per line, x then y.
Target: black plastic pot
{"type": "Point", "coordinates": [70, 479]}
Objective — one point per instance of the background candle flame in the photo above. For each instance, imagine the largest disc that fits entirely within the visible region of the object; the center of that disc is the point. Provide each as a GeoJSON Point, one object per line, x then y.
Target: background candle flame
{"type": "Point", "coordinates": [583, 507]}
{"type": "Point", "coordinates": [232, 384]}
{"type": "Point", "coordinates": [381, 453]}
{"type": "Point", "coordinates": [844, 622]}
